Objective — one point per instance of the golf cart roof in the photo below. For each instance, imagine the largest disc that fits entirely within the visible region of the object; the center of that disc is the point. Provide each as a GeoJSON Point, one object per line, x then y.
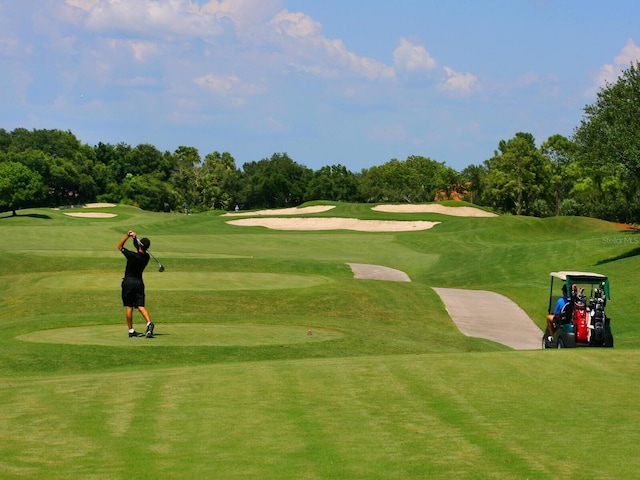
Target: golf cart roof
{"type": "Point", "coordinates": [572, 278]}
{"type": "Point", "coordinates": [580, 276]}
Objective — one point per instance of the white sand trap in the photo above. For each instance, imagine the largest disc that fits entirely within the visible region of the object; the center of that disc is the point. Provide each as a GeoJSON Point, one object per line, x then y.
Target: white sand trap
{"type": "Point", "coordinates": [332, 223]}
{"type": "Point", "coordinates": [90, 214]}
{"type": "Point", "coordinates": [99, 205]}
{"type": "Point", "coordinates": [434, 208]}
{"type": "Point", "coordinates": [377, 272]}
{"type": "Point", "coordinates": [283, 211]}
{"type": "Point", "coordinates": [489, 315]}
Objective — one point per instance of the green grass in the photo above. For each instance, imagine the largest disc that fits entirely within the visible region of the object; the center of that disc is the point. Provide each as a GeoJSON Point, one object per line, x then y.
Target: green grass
{"type": "Point", "coordinates": [272, 361]}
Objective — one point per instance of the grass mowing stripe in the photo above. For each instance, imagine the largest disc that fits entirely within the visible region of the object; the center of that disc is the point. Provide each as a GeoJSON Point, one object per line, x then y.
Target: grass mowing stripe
{"type": "Point", "coordinates": [367, 405]}
{"type": "Point", "coordinates": [185, 281]}
{"type": "Point", "coordinates": [440, 416]}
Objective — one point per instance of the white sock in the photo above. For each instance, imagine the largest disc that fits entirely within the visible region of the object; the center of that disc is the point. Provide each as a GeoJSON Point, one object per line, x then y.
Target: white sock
{"type": "Point", "coordinates": [131, 330]}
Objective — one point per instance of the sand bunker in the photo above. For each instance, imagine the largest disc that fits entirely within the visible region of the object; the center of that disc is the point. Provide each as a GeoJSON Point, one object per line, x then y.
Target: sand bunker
{"type": "Point", "coordinates": [332, 223]}
{"type": "Point", "coordinates": [90, 214]}
{"type": "Point", "coordinates": [283, 211]}
{"type": "Point", "coordinates": [99, 205]}
{"type": "Point", "coordinates": [434, 208]}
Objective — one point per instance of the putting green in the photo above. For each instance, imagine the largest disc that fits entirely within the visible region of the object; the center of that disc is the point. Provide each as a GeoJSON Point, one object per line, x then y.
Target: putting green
{"type": "Point", "coordinates": [185, 281]}
{"type": "Point", "coordinates": [185, 334]}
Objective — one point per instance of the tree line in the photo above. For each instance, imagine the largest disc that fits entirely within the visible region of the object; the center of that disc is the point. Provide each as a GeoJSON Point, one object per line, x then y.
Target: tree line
{"type": "Point", "coordinates": [595, 173]}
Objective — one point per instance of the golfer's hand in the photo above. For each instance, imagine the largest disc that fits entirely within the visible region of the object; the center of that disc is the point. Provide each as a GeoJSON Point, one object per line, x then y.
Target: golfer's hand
{"type": "Point", "coordinates": [132, 233]}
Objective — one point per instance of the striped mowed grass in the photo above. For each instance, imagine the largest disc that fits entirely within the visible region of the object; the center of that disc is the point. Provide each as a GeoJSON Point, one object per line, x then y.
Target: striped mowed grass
{"type": "Point", "coordinates": [385, 387]}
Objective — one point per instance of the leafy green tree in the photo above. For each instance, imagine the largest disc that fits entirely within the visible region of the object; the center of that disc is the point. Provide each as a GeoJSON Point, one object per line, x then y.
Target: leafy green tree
{"type": "Point", "coordinates": [64, 182]}
{"type": "Point", "coordinates": [185, 176]}
{"type": "Point", "coordinates": [65, 164]}
{"type": "Point", "coordinates": [517, 175]}
{"type": "Point", "coordinates": [561, 153]}
{"type": "Point", "coordinates": [220, 181]}
{"type": "Point", "coordinates": [417, 179]}
{"type": "Point", "coordinates": [275, 182]}
{"type": "Point", "coordinates": [609, 146]}
{"type": "Point", "coordinates": [5, 140]}
{"type": "Point", "coordinates": [52, 142]}
{"type": "Point", "coordinates": [333, 182]}
{"type": "Point", "coordinates": [149, 192]}
{"type": "Point", "coordinates": [19, 186]}
{"type": "Point", "coordinates": [474, 177]}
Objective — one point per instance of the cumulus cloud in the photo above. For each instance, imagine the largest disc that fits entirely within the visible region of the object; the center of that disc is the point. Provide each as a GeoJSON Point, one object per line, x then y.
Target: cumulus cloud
{"type": "Point", "coordinates": [147, 17]}
{"type": "Point", "coordinates": [409, 57]}
{"type": "Point", "coordinates": [458, 82]}
{"type": "Point", "coordinates": [609, 73]}
{"type": "Point", "coordinates": [222, 85]}
{"type": "Point", "coordinates": [301, 37]}
{"type": "Point", "coordinates": [236, 50]}
{"type": "Point", "coordinates": [228, 87]}
{"type": "Point", "coordinates": [415, 62]}
{"type": "Point", "coordinates": [245, 14]}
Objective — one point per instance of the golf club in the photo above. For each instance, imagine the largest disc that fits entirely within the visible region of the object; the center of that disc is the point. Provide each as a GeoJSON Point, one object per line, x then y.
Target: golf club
{"type": "Point", "coordinates": [160, 266]}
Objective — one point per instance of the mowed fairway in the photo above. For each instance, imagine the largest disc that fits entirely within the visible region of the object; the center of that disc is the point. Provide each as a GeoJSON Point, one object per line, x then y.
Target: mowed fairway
{"type": "Point", "coordinates": [272, 361]}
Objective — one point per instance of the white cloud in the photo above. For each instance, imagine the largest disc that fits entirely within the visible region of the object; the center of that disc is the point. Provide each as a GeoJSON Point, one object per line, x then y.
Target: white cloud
{"type": "Point", "coordinates": [296, 25]}
{"type": "Point", "coordinates": [609, 73]}
{"type": "Point", "coordinates": [148, 17]}
{"type": "Point", "coordinates": [309, 51]}
{"type": "Point", "coordinates": [143, 50]}
{"type": "Point", "coordinates": [85, 5]}
{"type": "Point", "coordinates": [458, 82]}
{"type": "Point", "coordinates": [245, 14]}
{"type": "Point", "coordinates": [228, 87]}
{"type": "Point", "coordinates": [409, 57]}
{"type": "Point", "coordinates": [221, 85]}
{"type": "Point", "coordinates": [629, 53]}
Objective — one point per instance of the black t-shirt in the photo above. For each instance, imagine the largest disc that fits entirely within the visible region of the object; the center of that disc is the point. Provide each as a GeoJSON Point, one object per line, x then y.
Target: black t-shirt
{"type": "Point", "coordinates": [136, 263]}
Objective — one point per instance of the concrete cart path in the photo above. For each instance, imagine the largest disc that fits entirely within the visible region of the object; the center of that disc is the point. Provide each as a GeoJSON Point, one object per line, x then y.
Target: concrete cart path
{"type": "Point", "coordinates": [476, 313]}
{"type": "Point", "coordinates": [365, 271]}
{"type": "Point", "coordinates": [483, 314]}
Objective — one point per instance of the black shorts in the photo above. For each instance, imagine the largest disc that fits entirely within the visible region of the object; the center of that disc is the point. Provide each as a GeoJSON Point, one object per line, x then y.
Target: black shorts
{"type": "Point", "coordinates": [132, 292]}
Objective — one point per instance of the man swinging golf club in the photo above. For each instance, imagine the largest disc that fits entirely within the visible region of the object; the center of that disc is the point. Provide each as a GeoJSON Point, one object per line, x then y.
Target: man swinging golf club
{"type": "Point", "coordinates": [132, 283]}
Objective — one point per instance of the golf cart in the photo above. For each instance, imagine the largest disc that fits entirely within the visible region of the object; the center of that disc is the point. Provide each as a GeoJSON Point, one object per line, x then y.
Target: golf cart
{"type": "Point", "coordinates": [582, 321]}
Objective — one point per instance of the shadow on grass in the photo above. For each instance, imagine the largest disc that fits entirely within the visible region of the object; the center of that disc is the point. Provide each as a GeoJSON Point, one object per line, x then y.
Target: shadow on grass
{"type": "Point", "coordinates": [629, 254]}
{"type": "Point", "coordinates": [628, 237]}
{"type": "Point", "coordinates": [27, 215]}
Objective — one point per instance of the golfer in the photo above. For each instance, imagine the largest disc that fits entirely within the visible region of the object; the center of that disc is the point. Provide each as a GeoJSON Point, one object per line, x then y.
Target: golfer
{"type": "Point", "coordinates": [132, 283]}
{"type": "Point", "coordinates": [557, 311]}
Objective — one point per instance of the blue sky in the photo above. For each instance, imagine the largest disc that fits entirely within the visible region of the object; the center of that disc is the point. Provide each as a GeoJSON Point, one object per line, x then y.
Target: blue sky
{"type": "Point", "coordinates": [349, 82]}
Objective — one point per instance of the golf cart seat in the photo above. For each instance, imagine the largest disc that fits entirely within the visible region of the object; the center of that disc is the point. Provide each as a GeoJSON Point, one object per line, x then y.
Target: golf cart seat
{"type": "Point", "coordinates": [564, 316]}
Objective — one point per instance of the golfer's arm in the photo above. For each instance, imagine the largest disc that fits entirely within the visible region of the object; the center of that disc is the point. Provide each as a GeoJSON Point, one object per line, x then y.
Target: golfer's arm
{"type": "Point", "coordinates": [122, 242]}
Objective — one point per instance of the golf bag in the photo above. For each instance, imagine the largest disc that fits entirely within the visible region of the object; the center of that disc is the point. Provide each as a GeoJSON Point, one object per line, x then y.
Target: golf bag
{"type": "Point", "coordinates": [580, 324]}
{"type": "Point", "coordinates": [598, 318]}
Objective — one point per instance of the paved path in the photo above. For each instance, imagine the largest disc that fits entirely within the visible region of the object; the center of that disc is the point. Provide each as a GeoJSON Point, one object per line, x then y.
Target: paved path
{"type": "Point", "coordinates": [483, 314]}
{"type": "Point", "coordinates": [378, 272]}
{"type": "Point", "coordinates": [476, 313]}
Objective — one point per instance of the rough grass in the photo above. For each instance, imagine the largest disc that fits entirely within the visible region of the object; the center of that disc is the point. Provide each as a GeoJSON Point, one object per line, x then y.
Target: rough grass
{"type": "Point", "coordinates": [392, 391]}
